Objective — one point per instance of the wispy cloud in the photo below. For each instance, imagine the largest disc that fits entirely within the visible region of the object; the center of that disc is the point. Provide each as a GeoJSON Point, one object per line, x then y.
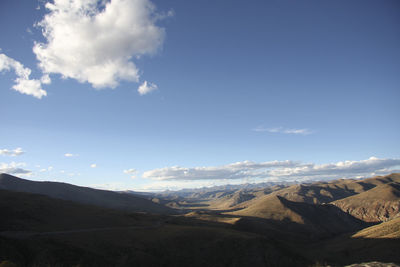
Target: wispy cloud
{"type": "Point", "coordinates": [302, 131]}
{"type": "Point", "coordinates": [94, 165]}
{"type": "Point", "coordinates": [70, 155]}
{"type": "Point", "coordinates": [131, 172]}
{"type": "Point", "coordinates": [23, 83]}
{"type": "Point", "coordinates": [16, 152]}
{"type": "Point", "coordinates": [48, 169]}
{"type": "Point", "coordinates": [277, 170]}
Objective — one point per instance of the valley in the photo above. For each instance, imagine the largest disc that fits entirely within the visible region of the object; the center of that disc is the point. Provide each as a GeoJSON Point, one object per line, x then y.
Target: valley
{"type": "Point", "coordinates": [335, 223]}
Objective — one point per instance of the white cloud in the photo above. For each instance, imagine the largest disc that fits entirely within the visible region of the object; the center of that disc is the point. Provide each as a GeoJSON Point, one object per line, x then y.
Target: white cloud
{"type": "Point", "coordinates": [14, 168]}
{"type": "Point", "coordinates": [341, 169]}
{"type": "Point", "coordinates": [95, 41]}
{"type": "Point", "coordinates": [277, 171]}
{"type": "Point", "coordinates": [70, 155]}
{"type": "Point", "coordinates": [23, 83]}
{"type": "Point", "coordinates": [238, 170]}
{"type": "Point", "coordinates": [303, 131]}
{"type": "Point", "coordinates": [49, 169]}
{"type": "Point", "coordinates": [131, 172]}
{"type": "Point", "coordinates": [94, 165]}
{"type": "Point", "coordinates": [45, 79]}
{"type": "Point", "coordinates": [16, 152]}
{"type": "Point", "coordinates": [146, 88]}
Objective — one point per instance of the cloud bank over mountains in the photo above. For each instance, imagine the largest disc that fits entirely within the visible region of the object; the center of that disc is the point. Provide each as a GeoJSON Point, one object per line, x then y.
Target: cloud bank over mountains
{"type": "Point", "coordinates": [176, 177]}
{"type": "Point", "coordinates": [277, 171]}
{"type": "Point", "coordinates": [14, 168]}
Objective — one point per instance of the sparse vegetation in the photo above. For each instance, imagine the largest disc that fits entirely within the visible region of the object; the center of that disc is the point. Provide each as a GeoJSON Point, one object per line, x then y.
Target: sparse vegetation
{"type": "Point", "coordinates": [289, 226]}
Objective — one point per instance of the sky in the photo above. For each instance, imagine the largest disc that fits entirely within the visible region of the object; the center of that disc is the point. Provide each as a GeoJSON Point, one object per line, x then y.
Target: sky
{"type": "Point", "coordinates": [153, 95]}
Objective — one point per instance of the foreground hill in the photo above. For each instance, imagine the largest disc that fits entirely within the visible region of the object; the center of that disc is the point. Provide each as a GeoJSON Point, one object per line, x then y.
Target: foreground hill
{"type": "Point", "coordinates": [37, 230]}
{"type": "Point", "coordinates": [379, 243]}
{"type": "Point", "coordinates": [85, 195]}
{"type": "Point", "coordinates": [32, 212]}
{"type": "Point", "coordinates": [288, 225]}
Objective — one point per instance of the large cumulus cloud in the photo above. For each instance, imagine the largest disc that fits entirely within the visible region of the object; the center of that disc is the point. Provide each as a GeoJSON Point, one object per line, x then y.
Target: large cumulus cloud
{"type": "Point", "coordinates": [96, 41]}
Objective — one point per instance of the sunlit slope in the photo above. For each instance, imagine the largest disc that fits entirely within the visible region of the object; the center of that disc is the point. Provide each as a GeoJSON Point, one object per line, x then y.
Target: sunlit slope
{"type": "Point", "coordinates": [325, 192]}
{"type": "Point", "coordinates": [378, 204]}
{"type": "Point", "coordinates": [389, 229]}
{"type": "Point", "coordinates": [300, 217]}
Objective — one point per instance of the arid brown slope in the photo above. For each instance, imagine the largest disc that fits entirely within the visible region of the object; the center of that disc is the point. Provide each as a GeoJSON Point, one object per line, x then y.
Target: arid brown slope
{"type": "Point", "coordinates": [231, 200]}
{"type": "Point", "coordinates": [378, 204]}
{"type": "Point", "coordinates": [325, 192]}
{"type": "Point", "coordinates": [270, 207]}
{"type": "Point", "coordinates": [301, 218]}
{"type": "Point", "coordinates": [385, 230]}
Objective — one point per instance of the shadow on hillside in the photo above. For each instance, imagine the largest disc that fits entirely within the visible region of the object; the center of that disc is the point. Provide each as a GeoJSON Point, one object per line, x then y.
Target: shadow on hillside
{"type": "Point", "coordinates": [180, 241]}
{"type": "Point", "coordinates": [345, 250]}
{"type": "Point", "coordinates": [323, 247]}
{"type": "Point", "coordinates": [195, 205]}
{"type": "Point", "coordinates": [366, 186]}
{"type": "Point", "coordinates": [330, 246]}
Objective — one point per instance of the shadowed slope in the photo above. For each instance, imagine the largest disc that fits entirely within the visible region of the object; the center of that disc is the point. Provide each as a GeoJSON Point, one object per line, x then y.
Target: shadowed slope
{"type": "Point", "coordinates": [86, 195]}
{"type": "Point", "coordinates": [375, 243]}
{"type": "Point", "coordinates": [66, 233]}
{"type": "Point", "coordinates": [32, 212]}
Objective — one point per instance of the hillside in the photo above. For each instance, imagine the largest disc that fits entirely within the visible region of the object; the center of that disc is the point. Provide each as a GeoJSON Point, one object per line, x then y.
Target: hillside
{"type": "Point", "coordinates": [378, 204]}
{"type": "Point", "coordinates": [385, 230]}
{"type": "Point", "coordinates": [378, 243]}
{"type": "Point", "coordinates": [85, 195]}
{"type": "Point", "coordinates": [235, 197]}
{"type": "Point", "coordinates": [315, 221]}
{"type": "Point", "coordinates": [288, 225]}
{"type": "Point", "coordinates": [325, 192]}
{"type": "Point", "coordinates": [32, 212]}
{"type": "Point", "coordinates": [37, 230]}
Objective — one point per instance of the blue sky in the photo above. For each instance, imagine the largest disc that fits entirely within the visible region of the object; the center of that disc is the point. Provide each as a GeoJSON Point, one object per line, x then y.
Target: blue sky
{"type": "Point", "coordinates": [287, 90]}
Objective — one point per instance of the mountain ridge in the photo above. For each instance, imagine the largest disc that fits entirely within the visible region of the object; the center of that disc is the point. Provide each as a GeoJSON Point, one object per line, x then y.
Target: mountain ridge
{"type": "Point", "coordinates": [80, 194]}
